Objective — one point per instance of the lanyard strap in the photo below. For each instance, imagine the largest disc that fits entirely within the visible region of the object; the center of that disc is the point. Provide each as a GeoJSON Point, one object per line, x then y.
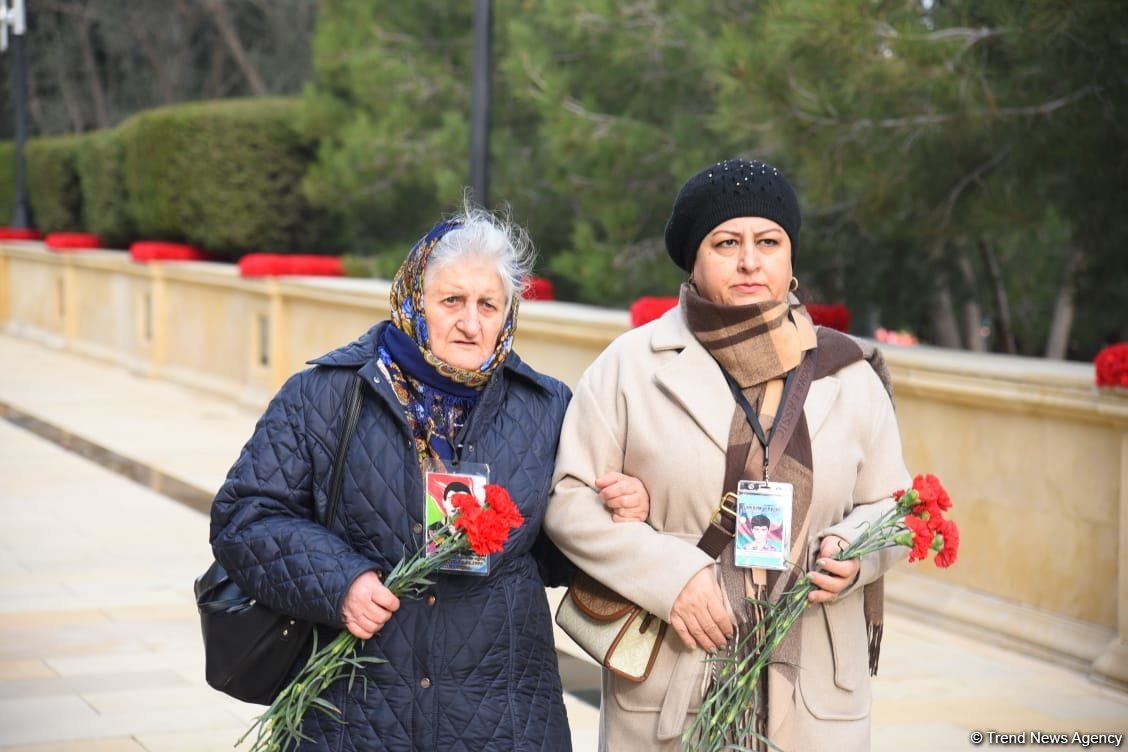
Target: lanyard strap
{"type": "Point", "coordinates": [750, 412]}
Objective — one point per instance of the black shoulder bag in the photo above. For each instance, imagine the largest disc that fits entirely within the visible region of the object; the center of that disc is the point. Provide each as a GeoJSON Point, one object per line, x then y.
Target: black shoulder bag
{"type": "Point", "coordinates": [250, 651]}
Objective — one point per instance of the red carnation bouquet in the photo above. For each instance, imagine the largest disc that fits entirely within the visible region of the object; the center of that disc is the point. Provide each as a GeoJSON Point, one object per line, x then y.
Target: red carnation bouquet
{"type": "Point", "coordinates": [727, 719]}
{"type": "Point", "coordinates": [480, 527]}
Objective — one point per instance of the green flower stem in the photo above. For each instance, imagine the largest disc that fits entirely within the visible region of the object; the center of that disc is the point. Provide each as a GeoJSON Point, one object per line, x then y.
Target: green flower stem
{"type": "Point", "coordinates": [280, 728]}
{"type": "Point", "coordinates": [718, 724]}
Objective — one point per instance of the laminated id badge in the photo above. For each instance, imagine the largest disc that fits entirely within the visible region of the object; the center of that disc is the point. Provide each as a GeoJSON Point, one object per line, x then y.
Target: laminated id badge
{"type": "Point", "coordinates": [763, 524]}
{"type": "Point", "coordinates": [441, 485]}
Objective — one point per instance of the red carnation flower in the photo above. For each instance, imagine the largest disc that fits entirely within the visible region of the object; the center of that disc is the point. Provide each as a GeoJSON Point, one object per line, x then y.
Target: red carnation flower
{"type": "Point", "coordinates": [947, 554]}
{"type": "Point", "coordinates": [922, 538]}
{"type": "Point", "coordinates": [498, 500]}
{"type": "Point", "coordinates": [486, 527]}
{"type": "Point", "coordinates": [932, 493]}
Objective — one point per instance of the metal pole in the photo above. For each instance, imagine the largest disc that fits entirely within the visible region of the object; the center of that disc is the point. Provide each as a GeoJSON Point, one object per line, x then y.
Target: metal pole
{"type": "Point", "coordinates": [19, 206]}
{"type": "Point", "coordinates": [14, 21]}
{"type": "Point", "coordinates": [480, 103]}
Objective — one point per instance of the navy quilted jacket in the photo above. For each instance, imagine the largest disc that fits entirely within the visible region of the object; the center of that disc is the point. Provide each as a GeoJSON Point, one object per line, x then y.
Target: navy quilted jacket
{"type": "Point", "coordinates": [470, 666]}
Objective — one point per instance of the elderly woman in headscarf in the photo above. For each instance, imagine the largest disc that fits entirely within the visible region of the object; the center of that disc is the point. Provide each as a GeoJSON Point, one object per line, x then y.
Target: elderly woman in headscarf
{"type": "Point", "coordinates": [470, 664]}
{"type": "Point", "coordinates": [735, 384]}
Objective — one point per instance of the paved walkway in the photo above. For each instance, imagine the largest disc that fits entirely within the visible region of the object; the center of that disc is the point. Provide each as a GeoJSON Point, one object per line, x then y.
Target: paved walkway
{"type": "Point", "coordinates": [99, 640]}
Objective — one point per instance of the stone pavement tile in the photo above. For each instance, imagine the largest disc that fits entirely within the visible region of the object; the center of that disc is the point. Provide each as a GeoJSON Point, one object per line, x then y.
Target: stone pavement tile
{"type": "Point", "coordinates": [58, 642]}
{"type": "Point", "coordinates": [121, 744]}
{"type": "Point", "coordinates": [81, 684]}
{"type": "Point", "coordinates": [17, 669]}
{"type": "Point", "coordinates": [71, 718]}
{"type": "Point", "coordinates": [109, 700]}
{"type": "Point", "coordinates": [919, 736]}
{"type": "Point", "coordinates": [211, 740]}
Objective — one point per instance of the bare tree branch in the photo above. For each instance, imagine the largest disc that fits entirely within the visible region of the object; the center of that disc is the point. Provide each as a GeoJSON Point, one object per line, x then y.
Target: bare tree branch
{"type": "Point", "coordinates": [1057, 342]}
{"type": "Point", "coordinates": [218, 12]}
{"type": "Point", "coordinates": [999, 294]}
{"type": "Point", "coordinates": [972, 177]}
{"type": "Point", "coordinates": [1042, 108]}
{"type": "Point", "coordinates": [93, 78]}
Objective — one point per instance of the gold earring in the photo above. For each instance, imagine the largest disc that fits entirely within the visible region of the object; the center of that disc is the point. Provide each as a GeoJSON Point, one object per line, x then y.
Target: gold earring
{"type": "Point", "coordinates": [794, 284]}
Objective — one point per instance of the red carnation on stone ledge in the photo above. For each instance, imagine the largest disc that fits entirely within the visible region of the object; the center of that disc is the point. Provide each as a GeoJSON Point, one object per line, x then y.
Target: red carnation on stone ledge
{"type": "Point", "coordinates": [158, 250]}
{"type": "Point", "coordinates": [538, 288]}
{"type": "Point", "coordinates": [834, 316]}
{"type": "Point", "coordinates": [646, 309]}
{"type": "Point", "coordinates": [73, 241]}
{"type": "Point", "coordinates": [1112, 366]}
{"type": "Point", "coordinates": [20, 233]}
{"type": "Point", "coordinates": [278, 265]}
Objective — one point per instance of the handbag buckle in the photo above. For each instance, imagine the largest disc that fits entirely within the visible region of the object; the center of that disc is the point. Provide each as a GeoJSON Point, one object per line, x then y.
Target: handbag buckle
{"type": "Point", "coordinates": [727, 508]}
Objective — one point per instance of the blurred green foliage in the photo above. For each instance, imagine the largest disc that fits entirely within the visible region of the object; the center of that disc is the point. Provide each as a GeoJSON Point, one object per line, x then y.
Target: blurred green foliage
{"type": "Point", "coordinates": [54, 195]}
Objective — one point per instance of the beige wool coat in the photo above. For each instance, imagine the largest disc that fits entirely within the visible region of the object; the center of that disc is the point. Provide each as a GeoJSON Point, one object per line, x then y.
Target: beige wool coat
{"type": "Point", "coordinates": [656, 406]}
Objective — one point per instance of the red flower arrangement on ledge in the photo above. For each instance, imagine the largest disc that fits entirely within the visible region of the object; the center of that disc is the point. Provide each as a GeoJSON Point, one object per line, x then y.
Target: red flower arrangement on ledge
{"type": "Point", "coordinates": [895, 337]}
{"type": "Point", "coordinates": [158, 250]}
{"type": "Point", "coordinates": [538, 288]}
{"type": "Point", "coordinates": [646, 309]}
{"type": "Point", "coordinates": [20, 233]}
{"type": "Point", "coordinates": [72, 241]}
{"type": "Point", "coordinates": [833, 316]}
{"type": "Point", "coordinates": [1112, 366]}
{"type": "Point", "coordinates": [278, 265]}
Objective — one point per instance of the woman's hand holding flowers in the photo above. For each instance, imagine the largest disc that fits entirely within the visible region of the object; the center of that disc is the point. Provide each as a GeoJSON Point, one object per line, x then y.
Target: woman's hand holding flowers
{"type": "Point", "coordinates": [832, 576]}
{"type": "Point", "coordinates": [368, 606]}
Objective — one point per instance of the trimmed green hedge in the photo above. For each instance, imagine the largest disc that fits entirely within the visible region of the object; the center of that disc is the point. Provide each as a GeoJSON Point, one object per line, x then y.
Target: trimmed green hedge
{"type": "Point", "coordinates": [105, 207]}
{"type": "Point", "coordinates": [54, 195]}
{"type": "Point", "coordinates": [225, 175]}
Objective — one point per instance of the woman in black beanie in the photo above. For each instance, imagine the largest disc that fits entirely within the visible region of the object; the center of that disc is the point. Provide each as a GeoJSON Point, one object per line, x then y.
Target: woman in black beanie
{"type": "Point", "coordinates": [735, 384]}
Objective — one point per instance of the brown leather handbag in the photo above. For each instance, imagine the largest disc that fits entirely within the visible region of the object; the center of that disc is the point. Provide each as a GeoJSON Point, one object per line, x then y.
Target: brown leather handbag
{"type": "Point", "coordinates": [620, 636]}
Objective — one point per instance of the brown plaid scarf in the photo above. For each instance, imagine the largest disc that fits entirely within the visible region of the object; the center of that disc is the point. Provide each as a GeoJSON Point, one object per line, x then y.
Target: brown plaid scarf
{"type": "Point", "coordinates": [758, 345]}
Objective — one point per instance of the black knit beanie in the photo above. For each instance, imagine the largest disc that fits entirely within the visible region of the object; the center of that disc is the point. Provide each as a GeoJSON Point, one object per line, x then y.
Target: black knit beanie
{"type": "Point", "coordinates": [731, 188]}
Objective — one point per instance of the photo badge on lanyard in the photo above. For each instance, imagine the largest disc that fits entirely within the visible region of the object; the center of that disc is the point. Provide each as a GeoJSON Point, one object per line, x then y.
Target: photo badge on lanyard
{"type": "Point", "coordinates": [763, 524]}
{"type": "Point", "coordinates": [441, 486]}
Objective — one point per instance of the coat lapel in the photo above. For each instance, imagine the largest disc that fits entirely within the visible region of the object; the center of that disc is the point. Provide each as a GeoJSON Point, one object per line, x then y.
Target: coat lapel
{"type": "Point", "coordinates": [692, 378]}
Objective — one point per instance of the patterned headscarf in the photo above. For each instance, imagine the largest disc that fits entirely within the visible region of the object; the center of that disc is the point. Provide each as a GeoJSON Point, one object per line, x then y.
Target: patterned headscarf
{"type": "Point", "coordinates": [437, 397]}
{"type": "Point", "coordinates": [408, 315]}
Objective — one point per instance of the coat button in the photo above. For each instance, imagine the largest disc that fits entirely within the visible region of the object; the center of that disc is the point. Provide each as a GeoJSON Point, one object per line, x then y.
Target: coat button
{"type": "Point", "coordinates": [417, 528]}
{"type": "Point", "coordinates": [430, 600]}
{"type": "Point", "coordinates": [424, 682]}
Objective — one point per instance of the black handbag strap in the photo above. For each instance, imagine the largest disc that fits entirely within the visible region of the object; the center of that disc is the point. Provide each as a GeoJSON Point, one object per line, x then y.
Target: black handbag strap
{"type": "Point", "coordinates": [352, 414]}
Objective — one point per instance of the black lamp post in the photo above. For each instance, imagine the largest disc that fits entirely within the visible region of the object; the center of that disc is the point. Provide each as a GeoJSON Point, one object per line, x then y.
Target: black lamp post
{"type": "Point", "coordinates": [14, 22]}
{"type": "Point", "coordinates": [480, 103]}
